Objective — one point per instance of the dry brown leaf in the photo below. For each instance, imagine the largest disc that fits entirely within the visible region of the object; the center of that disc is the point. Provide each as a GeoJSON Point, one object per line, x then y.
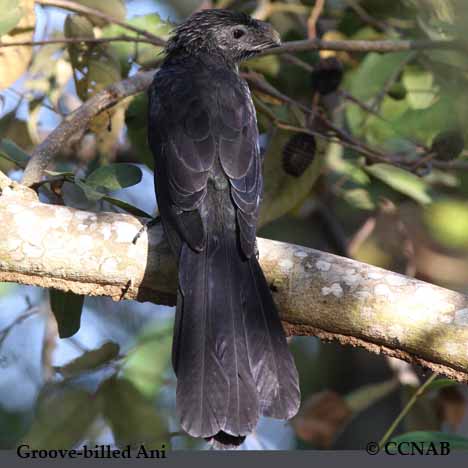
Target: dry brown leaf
{"type": "Point", "coordinates": [451, 407]}
{"type": "Point", "coordinates": [14, 61]}
{"type": "Point", "coordinates": [322, 416]}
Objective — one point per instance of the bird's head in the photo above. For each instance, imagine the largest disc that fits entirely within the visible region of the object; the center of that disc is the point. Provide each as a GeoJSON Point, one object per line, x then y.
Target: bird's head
{"type": "Point", "coordinates": [236, 36]}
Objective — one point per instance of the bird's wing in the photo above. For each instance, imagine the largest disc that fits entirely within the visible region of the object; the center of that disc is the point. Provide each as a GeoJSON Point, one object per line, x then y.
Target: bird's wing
{"type": "Point", "coordinates": [184, 145]}
{"type": "Point", "coordinates": [240, 158]}
{"type": "Point", "coordinates": [196, 121]}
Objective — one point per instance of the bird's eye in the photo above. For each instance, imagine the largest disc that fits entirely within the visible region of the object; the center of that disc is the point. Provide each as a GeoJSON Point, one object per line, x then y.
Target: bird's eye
{"type": "Point", "coordinates": [238, 33]}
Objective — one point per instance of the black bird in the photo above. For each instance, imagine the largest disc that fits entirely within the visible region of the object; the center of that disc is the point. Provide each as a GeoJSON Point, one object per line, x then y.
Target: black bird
{"type": "Point", "coordinates": [229, 351]}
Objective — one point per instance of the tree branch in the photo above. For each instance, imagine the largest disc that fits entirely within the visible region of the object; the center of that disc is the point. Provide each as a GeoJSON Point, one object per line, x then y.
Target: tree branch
{"type": "Point", "coordinates": [383, 46]}
{"type": "Point", "coordinates": [44, 153]}
{"type": "Point", "coordinates": [77, 40]}
{"type": "Point", "coordinates": [85, 10]}
{"type": "Point", "coordinates": [314, 17]}
{"type": "Point", "coordinates": [317, 293]}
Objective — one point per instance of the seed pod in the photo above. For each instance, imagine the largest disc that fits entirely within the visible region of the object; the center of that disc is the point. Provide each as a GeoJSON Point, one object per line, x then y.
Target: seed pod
{"type": "Point", "coordinates": [327, 76]}
{"type": "Point", "coordinates": [397, 92]}
{"type": "Point", "coordinates": [448, 145]}
{"type": "Point", "coordinates": [298, 154]}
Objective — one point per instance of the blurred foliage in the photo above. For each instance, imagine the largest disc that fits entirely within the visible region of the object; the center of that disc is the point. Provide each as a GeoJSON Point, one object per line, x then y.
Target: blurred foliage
{"type": "Point", "coordinates": [154, 346]}
{"type": "Point", "coordinates": [17, 24]}
{"type": "Point", "coordinates": [140, 53]}
{"type": "Point", "coordinates": [389, 188]}
{"type": "Point", "coordinates": [91, 360]}
{"type": "Point", "coordinates": [73, 411]}
{"type": "Point", "coordinates": [456, 442]}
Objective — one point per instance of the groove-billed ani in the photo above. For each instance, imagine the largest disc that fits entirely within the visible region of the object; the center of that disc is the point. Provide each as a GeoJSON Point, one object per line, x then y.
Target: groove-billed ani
{"type": "Point", "coordinates": [229, 352]}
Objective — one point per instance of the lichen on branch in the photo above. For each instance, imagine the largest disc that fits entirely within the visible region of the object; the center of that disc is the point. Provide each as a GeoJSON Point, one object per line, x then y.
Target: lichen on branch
{"type": "Point", "coordinates": [317, 293]}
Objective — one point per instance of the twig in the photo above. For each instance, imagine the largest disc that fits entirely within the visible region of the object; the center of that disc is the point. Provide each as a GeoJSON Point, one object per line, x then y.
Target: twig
{"type": "Point", "coordinates": [265, 9]}
{"type": "Point", "coordinates": [362, 13]}
{"type": "Point", "coordinates": [377, 101]}
{"type": "Point", "coordinates": [313, 18]}
{"type": "Point", "coordinates": [343, 138]}
{"type": "Point", "coordinates": [292, 59]}
{"type": "Point", "coordinates": [20, 319]}
{"type": "Point", "coordinates": [78, 40]}
{"type": "Point", "coordinates": [362, 235]}
{"type": "Point", "coordinates": [420, 391]}
{"type": "Point", "coordinates": [44, 153]}
{"type": "Point", "coordinates": [455, 165]}
{"type": "Point", "coordinates": [365, 107]}
{"type": "Point", "coordinates": [366, 46]}
{"type": "Point", "coordinates": [78, 8]}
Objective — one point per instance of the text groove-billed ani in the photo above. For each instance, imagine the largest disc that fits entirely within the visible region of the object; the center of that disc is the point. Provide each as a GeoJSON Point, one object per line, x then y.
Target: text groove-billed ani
{"type": "Point", "coordinates": [229, 352]}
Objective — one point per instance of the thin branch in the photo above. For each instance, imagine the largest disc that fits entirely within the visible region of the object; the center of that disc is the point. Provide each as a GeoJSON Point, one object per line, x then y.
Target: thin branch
{"type": "Point", "coordinates": [265, 9]}
{"type": "Point", "coordinates": [44, 153]}
{"type": "Point", "coordinates": [257, 82]}
{"type": "Point", "coordinates": [418, 393]}
{"type": "Point", "coordinates": [20, 319]}
{"type": "Point", "coordinates": [78, 40]}
{"type": "Point", "coordinates": [314, 17]}
{"type": "Point", "coordinates": [78, 8]}
{"type": "Point", "coordinates": [293, 46]}
{"type": "Point", "coordinates": [460, 165]}
{"type": "Point", "coordinates": [383, 46]}
{"type": "Point", "coordinates": [378, 99]}
{"type": "Point", "coordinates": [362, 13]}
{"type": "Point", "coordinates": [317, 293]}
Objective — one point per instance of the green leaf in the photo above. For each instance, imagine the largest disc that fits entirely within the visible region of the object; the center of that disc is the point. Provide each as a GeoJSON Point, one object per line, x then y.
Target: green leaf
{"type": "Point", "coordinates": [67, 308]}
{"type": "Point", "coordinates": [147, 362]}
{"type": "Point", "coordinates": [90, 192]}
{"type": "Point", "coordinates": [91, 360]}
{"type": "Point", "coordinates": [447, 221]}
{"type": "Point", "coordinates": [10, 16]}
{"type": "Point", "coordinates": [365, 396]}
{"type": "Point", "coordinates": [93, 194]}
{"type": "Point", "coordinates": [137, 128]}
{"type": "Point", "coordinates": [132, 417]}
{"type": "Point", "coordinates": [94, 66]}
{"type": "Point", "coordinates": [13, 424]}
{"type": "Point", "coordinates": [419, 84]}
{"type": "Point", "coordinates": [115, 176]}
{"type": "Point", "coordinates": [113, 8]}
{"type": "Point", "coordinates": [402, 181]}
{"type": "Point", "coordinates": [62, 175]}
{"type": "Point", "coordinates": [456, 442]}
{"type": "Point", "coordinates": [13, 152]}
{"type": "Point", "coordinates": [142, 53]}
{"type": "Point", "coordinates": [441, 383]}
{"type": "Point", "coordinates": [62, 418]}
{"type": "Point", "coordinates": [424, 124]}
{"type": "Point", "coordinates": [127, 207]}
{"type": "Point", "coordinates": [373, 74]}
{"type": "Point", "coordinates": [359, 198]}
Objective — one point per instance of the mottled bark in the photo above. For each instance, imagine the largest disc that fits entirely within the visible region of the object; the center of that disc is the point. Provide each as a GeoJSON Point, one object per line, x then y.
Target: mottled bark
{"type": "Point", "coordinates": [317, 293]}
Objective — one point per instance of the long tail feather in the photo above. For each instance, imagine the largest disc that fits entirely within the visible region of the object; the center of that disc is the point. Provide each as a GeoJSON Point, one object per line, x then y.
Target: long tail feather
{"type": "Point", "coordinates": [271, 361]}
{"type": "Point", "coordinates": [215, 389]}
{"type": "Point", "coordinates": [202, 384]}
{"type": "Point", "coordinates": [230, 353]}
